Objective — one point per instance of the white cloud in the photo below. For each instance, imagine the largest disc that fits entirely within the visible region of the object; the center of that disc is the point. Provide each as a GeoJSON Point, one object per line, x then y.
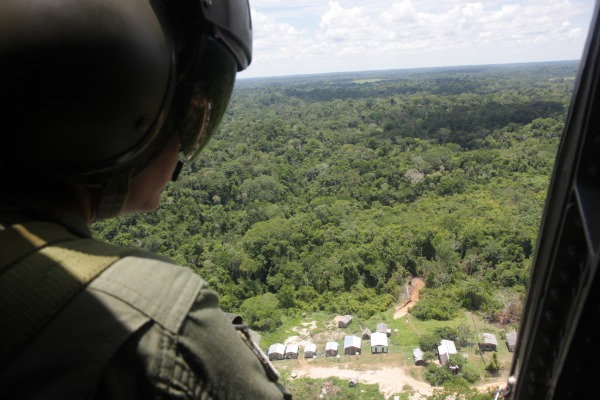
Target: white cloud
{"type": "Point", "coordinates": [340, 24]}
{"type": "Point", "coordinates": [403, 12]}
{"type": "Point", "coordinates": [311, 36]}
{"type": "Point", "coordinates": [274, 40]}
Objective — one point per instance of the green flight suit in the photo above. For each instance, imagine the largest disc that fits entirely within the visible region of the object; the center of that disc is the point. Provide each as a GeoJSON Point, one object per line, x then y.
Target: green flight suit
{"type": "Point", "coordinates": [145, 328]}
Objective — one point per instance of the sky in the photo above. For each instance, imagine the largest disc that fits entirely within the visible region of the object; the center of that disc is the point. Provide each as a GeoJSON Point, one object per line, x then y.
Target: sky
{"type": "Point", "coordinates": [299, 37]}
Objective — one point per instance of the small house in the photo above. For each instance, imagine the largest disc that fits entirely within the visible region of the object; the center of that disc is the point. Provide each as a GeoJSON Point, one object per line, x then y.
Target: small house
{"type": "Point", "coordinates": [331, 349]}
{"type": "Point", "coordinates": [291, 351]}
{"type": "Point", "coordinates": [345, 321]}
{"type": "Point", "coordinates": [445, 349]}
{"type": "Point", "coordinates": [366, 334]}
{"type": "Point", "coordinates": [353, 381]}
{"type": "Point", "coordinates": [381, 327]}
{"type": "Point", "coordinates": [277, 351]}
{"type": "Point", "coordinates": [418, 356]}
{"type": "Point", "coordinates": [379, 343]}
{"type": "Point", "coordinates": [310, 350]}
{"type": "Point", "coordinates": [511, 341]}
{"type": "Point", "coordinates": [352, 345]}
{"type": "Point", "coordinates": [488, 342]}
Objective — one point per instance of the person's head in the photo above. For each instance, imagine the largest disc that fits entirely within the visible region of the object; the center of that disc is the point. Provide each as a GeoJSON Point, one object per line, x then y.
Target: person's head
{"type": "Point", "coordinates": [101, 94]}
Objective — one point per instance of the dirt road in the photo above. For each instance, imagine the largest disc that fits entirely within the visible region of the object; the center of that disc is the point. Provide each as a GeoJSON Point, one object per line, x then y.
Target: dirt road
{"type": "Point", "coordinates": [391, 380]}
{"type": "Point", "coordinates": [416, 284]}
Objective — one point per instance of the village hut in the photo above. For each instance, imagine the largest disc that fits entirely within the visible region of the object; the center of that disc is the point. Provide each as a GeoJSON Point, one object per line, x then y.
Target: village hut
{"type": "Point", "coordinates": [310, 350]}
{"type": "Point", "coordinates": [488, 342]}
{"type": "Point", "coordinates": [352, 345]}
{"type": "Point", "coordinates": [353, 381]}
{"type": "Point", "coordinates": [445, 349]}
{"type": "Point", "coordinates": [511, 341]}
{"type": "Point", "coordinates": [345, 321]}
{"type": "Point", "coordinates": [366, 334]}
{"type": "Point", "coordinates": [379, 343]}
{"type": "Point", "coordinates": [331, 349]}
{"type": "Point", "coordinates": [418, 356]}
{"type": "Point", "coordinates": [383, 328]}
{"type": "Point", "coordinates": [277, 351]}
{"type": "Point", "coordinates": [291, 351]}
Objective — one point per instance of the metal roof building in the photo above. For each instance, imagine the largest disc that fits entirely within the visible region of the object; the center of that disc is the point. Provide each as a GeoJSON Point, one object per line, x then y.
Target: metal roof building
{"type": "Point", "coordinates": [511, 340]}
{"type": "Point", "coordinates": [277, 351]}
{"type": "Point", "coordinates": [331, 348]}
{"type": "Point", "coordinates": [488, 342]}
{"type": "Point", "coordinates": [418, 356]}
{"type": "Point", "coordinates": [291, 351]}
{"type": "Point", "coordinates": [310, 350]}
{"type": "Point", "coordinates": [345, 321]}
{"type": "Point", "coordinates": [352, 345]}
{"type": "Point", "coordinates": [445, 349]}
{"type": "Point", "coordinates": [379, 342]}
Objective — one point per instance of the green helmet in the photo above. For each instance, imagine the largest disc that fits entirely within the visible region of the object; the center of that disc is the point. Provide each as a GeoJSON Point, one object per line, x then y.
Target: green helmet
{"type": "Point", "coordinates": [93, 89]}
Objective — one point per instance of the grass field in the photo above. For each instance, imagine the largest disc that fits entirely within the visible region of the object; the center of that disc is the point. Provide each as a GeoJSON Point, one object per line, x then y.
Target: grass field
{"type": "Point", "coordinates": [319, 328]}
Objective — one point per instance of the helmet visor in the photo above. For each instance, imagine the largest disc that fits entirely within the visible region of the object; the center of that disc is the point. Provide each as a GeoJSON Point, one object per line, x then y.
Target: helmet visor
{"type": "Point", "coordinates": [202, 96]}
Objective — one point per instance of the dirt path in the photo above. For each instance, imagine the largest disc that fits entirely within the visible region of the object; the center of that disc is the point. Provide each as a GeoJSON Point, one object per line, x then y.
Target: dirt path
{"type": "Point", "coordinates": [415, 287]}
{"type": "Point", "coordinates": [391, 380]}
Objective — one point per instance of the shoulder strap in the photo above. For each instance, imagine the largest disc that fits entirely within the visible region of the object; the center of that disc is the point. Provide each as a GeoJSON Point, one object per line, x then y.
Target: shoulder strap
{"type": "Point", "coordinates": [42, 267]}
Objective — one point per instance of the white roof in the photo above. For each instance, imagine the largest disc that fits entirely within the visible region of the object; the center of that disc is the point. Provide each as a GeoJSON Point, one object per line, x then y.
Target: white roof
{"type": "Point", "coordinates": [447, 347]}
{"type": "Point", "coordinates": [310, 347]}
{"type": "Point", "coordinates": [418, 353]}
{"type": "Point", "coordinates": [277, 348]}
{"type": "Point", "coordinates": [291, 348]}
{"type": "Point", "coordinates": [379, 339]}
{"type": "Point", "coordinates": [331, 346]}
{"type": "Point", "coordinates": [351, 341]}
{"type": "Point", "coordinates": [489, 338]}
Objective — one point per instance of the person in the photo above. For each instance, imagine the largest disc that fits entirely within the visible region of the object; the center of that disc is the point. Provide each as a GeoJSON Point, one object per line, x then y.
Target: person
{"type": "Point", "coordinates": [100, 101]}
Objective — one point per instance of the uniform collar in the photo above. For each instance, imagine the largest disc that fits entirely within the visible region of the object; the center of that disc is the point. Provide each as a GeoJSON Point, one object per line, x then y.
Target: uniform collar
{"type": "Point", "coordinates": [15, 214]}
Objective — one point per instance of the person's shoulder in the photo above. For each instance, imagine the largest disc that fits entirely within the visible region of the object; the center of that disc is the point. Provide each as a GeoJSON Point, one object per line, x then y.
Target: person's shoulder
{"type": "Point", "coordinates": [153, 267]}
{"type": "Point", "coordinates": [154, 284]}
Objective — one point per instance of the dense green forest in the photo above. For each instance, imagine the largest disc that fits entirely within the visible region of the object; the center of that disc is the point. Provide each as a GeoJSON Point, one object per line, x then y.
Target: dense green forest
{"type": "Point", "coordinates": [328, 192]}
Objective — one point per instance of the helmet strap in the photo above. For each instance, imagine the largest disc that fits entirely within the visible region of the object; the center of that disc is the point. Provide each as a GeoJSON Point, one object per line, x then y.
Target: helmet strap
{"type": "Point", "coordinates": [177, 171]}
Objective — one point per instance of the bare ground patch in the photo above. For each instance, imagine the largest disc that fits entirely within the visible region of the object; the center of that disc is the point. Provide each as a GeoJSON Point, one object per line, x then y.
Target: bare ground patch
{"type": "Point", "coordinates": [391, 380]}
{"type": "Point", "coordinates": [416, 284]}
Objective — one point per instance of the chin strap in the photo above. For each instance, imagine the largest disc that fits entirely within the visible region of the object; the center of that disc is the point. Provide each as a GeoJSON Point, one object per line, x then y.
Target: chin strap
{"type": "Point", "coordinates": [113, 196]}
{"type": "Point", "coordinates": [177, 171]}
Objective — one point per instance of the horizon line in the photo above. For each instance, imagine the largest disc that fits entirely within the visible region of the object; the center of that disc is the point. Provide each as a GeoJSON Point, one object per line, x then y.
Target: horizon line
{"type": "Point", "coordinates": [305, 75]}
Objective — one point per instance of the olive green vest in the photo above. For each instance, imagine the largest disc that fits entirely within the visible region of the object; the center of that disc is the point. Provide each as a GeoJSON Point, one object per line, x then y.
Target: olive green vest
{"type": "Point", "coordinates": [42, 267]}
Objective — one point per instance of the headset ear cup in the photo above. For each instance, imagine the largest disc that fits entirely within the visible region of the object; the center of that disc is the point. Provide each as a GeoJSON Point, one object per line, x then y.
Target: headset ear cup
{"type": "Point", "coordinates": [84, 91]}
{"type": "Point", "coordinates": [163, 131]}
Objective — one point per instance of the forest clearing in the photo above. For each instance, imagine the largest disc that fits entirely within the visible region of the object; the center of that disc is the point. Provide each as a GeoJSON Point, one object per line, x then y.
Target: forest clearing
{"type": "Point", "coordinates": [391, 372]}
